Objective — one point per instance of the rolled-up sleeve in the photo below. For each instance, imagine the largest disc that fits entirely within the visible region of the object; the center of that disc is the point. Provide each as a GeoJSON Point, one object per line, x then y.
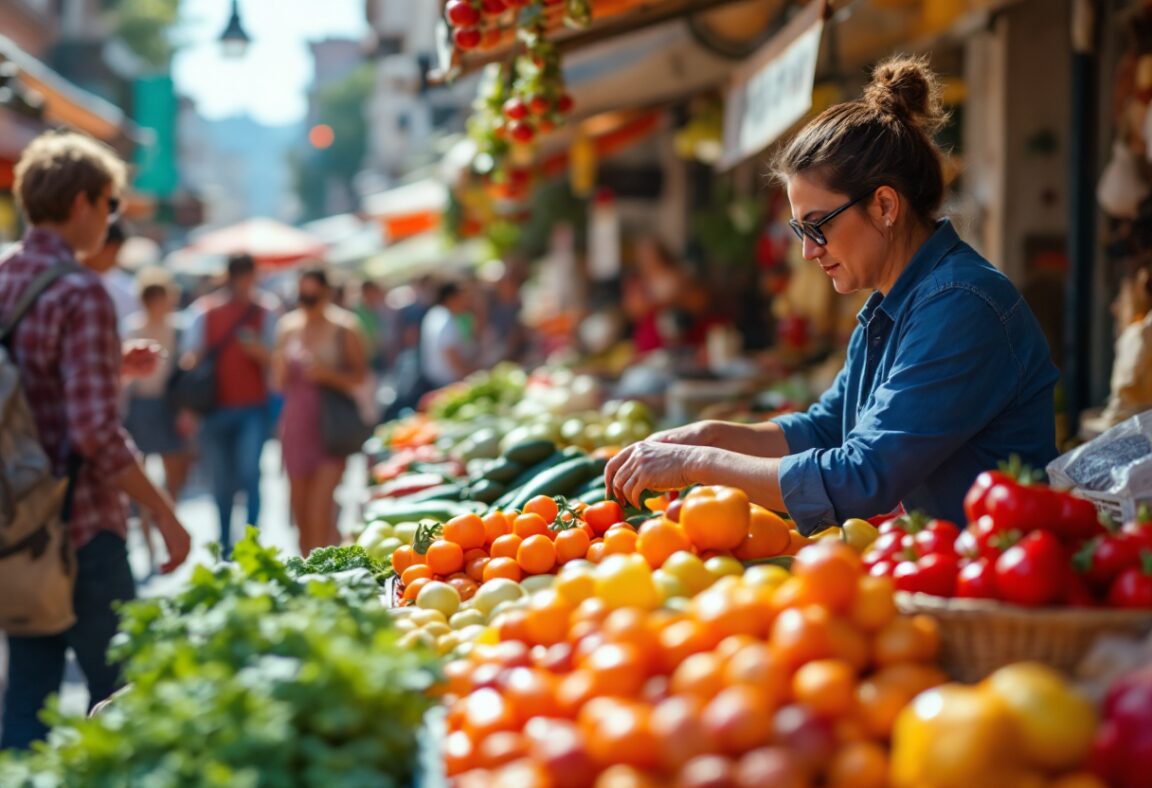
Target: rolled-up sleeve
{"type": "Point", "coordinates": [90, 368]}
{"type": "Point", "coordinates": [955, 370]}
{"type": "Point", "coordinates": [822, 425]}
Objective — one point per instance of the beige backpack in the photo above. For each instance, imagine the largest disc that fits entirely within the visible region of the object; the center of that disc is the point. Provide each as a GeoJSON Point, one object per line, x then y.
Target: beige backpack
{"type": "Point", "coordinates": [37, 563]}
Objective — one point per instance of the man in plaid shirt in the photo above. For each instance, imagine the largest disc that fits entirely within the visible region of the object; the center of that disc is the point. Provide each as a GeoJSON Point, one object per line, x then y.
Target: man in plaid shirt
{"type": "Point", "coordinates": [71, 361]}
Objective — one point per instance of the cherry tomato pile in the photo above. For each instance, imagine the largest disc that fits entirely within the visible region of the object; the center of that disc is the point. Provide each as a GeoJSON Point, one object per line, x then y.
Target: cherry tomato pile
{"type": "Point", "coordinates": [712, 522]}
{"type": "Point", "coordinates": [1026, 544]}
{"type": "Point", "coordinates": [759, 680]}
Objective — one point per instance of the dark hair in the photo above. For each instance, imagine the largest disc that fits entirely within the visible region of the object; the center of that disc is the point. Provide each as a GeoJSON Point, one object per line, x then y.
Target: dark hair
{"type": "Point", "coordinates": [117, 233]}
{"type": "Point", "coordinates": [317, 275]}
{"type": "Point", "coordinates": [446, 291]}
{"type": "Point", "coordinates": [151, 292]}
{"type": "Point", "coordinates": [240, 264]}
{"type": "Point", "coordinates": [882, 139]}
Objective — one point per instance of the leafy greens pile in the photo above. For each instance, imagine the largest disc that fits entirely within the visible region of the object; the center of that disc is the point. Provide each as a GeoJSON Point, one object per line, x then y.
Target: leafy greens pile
{"type": "Point", "coordinates": [255, 675]}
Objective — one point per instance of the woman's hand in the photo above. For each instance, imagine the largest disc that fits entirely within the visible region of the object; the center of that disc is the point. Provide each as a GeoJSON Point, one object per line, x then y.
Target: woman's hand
{"type": "Point", "coordinates": [140, 358]}
{"type": "Point", "coordinates": [651, 465]}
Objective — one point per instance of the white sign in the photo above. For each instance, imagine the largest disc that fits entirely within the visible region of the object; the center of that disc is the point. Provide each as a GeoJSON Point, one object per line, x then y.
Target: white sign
{"type": "Point", "coordinates": [774, 89]}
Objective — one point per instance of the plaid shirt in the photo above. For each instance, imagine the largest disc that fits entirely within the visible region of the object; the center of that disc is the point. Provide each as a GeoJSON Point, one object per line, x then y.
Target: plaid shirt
{"type": "Point", "coordinates": [70, 355]}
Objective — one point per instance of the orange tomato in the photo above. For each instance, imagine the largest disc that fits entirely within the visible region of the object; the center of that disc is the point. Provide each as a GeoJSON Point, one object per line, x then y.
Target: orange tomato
{"type": "Point", "coordinates": [874, 605]}
{"type": "Point", "coordinates": [457, 678]}
{"type": "Point", "coordinates": [800, 635]}
{"type": "Point", "coordinates": [530, 524]}
{"type": "Point", "coordinates": [679, 731]}
{"type": "Point", "coordinates": [829, 572]}
{"type": "Point", "coordinates": [403, 557]}
{"type": "Point", "coordinates": [602, 516]}
{"type": "Point", "coordinates": [796, 542]}
{"type": "Point", "coordinates": [548, 617]}
{"type": "Point", "coordinates": [445, 557]}
{"type": "Point", "coordinates": [715, 518]}
{"type": "Point", "coordinates": [544, 506]}
{"type": "Point", "coordinates": [502, 747]}
{"type": "Point", "coordinates": [459, 755]}
{"type": "Point", "coordinates": [496, 524]}
{"type": "Point", "coordinates": [906, 639]}
{"type": "Point", "coordinates": [466, 530]}
{"type": "Point", "coordinates": [536, 555]}
{"type": "Point", "coordinates": [630, 626]}
{"type": "Point", "coordinates": [512, 626]}
{"type": "Point", "coordinates": [487, 712]}
{"type": "Point", "coordinates": [414, 572]}
{"type": "Point", "coordinates": [849, 643]}
{"type": "Point", "coordinates": [502, 567]}
{"type": "Point", "coordinates": [738, 719]}
{"type": "Point", "coordinates": [571, 544]}
{"type": "Point", "coordinates": [617, 669]}
{"type": "Point", "coordinates": [506, 546]}
{"type": "Point", "coordinates": [574, 690]}
{"type": "Point", "coordinates": [826, 686]}
{"type": "Point", "coordinates": [531, 692]}
{"type": "Point", "coordinates": [412, 590]}
{"type": "Point", "coordinates": [880, 703]}
{"type": "Point", "coordinates": [680, 640]}
{"type": "Point", "coordinates": [465, 586]}
{"type": "Point", "coordinates": [860, 764]}
{"type": "Point", "coordinates": [475, 568]}
{"type": "Point", "coordinates": [767, 536]}
{"type": "Point", "coordinates": [658, 539]}
{"type": "Point", "coordinates": [620, 539]}
{"type": "Point", "coordinates": [700, 674]}
{"type": "Point", "coordinates": [596, 550]}
{"type": "Point", "coordinates": [731, 611]}
{"type": "Point", "coordinates": [619, 732]}
{"type": "Point", "coordinates": [755, 666]}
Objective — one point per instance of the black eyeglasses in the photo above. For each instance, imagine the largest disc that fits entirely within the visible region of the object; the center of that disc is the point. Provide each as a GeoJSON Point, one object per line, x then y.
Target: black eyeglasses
{"type": "Point", "coordinates": [113, 209]}
{"type": "Point", "coordinates": [812, 230]}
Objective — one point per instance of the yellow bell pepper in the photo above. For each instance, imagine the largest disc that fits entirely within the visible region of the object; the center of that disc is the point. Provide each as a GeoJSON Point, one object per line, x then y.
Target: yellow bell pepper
{"type": "Point", "coordinates": [716, 518]}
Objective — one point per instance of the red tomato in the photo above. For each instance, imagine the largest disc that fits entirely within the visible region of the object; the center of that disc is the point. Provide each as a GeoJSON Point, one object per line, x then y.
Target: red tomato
{"type": "Point", "coordinates": [884, 548]}
{"type": "Point", "coordinates": [1101, 560]}
{"type": "Point", "coordinates": [992, 538]}
{"type": "Point", "coordinates": [939, 536]}
{"type": "Point", "coordinates": [1033, 571]}
{"type": "Point", "coordinates": [1133, 588]}
{"type": "Point", "coordinates": [932, 574]}
{"type": "Point", "coordinates": [1021, 507]}
{"type": "Point", "coordinates": [602, 516]}
{"type": "Point", "coordinates": [977, 580]}
{"type": "Point", "coordinates": [975, 501]}
{"type": "Point", "coordinates": [1077, 592]}
{"type": "Point", "coordinates": [966, 545]}
{"type": "Point", "coordinates": [1076, 517]}
{"type": "Point", "coordinates": [1140, 533]}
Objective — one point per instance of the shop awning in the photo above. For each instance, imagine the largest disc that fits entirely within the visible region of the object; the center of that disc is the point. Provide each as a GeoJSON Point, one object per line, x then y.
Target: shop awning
{"type": "Point", "coordinates": [427, 253]}
{"type": "Point", "coordinates": [272, 243]}
{"type": "Point", "coordinates": [408, 210]}
{"type": "Point", "coordinates": [67, 104]}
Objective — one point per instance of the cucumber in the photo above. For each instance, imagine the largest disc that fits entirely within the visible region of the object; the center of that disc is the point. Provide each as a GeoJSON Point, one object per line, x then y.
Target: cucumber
{"type": "Point", "coordinates": [559, 480]}
{"type": "Point", "coordinates": [530, 452]}
{"type": "Point", "coordinates": [401, 511]}
{"type": "Point", "coordinates": [595, 495]}
{"type": "Point", "coordinates": [595, 484]}
{"type": "Point", "coordinates": [529, 474]}
{"type": "Point", "coordinates": [441, 492]}
{"type": "Point", "coordinates": [503, 471]}
{"type": "Point", "coordinates": [486, 490]}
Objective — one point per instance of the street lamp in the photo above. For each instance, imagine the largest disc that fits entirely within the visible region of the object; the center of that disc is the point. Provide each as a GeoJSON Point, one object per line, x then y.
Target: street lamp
{"type": "Point", "coordinates": [234, 40]}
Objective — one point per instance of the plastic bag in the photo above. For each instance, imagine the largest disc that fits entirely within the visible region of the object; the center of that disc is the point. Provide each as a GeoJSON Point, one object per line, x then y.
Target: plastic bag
{"type": "Point", "coordinates": [1114, 470]}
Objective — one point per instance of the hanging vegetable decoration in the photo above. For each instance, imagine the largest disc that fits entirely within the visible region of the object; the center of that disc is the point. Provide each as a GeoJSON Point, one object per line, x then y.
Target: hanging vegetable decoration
{"type": "Point", "coordinates": [478, 24]}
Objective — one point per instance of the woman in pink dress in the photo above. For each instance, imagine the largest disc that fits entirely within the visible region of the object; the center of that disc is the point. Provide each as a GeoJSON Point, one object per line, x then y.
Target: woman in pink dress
{"type": "Point", "coordinates": [318, 346]}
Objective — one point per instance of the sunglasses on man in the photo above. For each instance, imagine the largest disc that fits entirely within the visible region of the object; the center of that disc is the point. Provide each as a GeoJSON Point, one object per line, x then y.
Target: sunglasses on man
{"type": "Point", "coordinates": [113, 209]}
{"type": "Point", "coordinates": [811, 230]}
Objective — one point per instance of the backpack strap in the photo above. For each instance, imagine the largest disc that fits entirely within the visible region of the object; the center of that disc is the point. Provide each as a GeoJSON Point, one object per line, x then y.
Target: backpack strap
{"type": "Point", "coordinates": [34, 291]}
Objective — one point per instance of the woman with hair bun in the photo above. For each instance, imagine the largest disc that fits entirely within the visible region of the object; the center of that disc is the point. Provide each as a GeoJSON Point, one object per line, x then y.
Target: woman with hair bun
{"type": "Point", "coordinates": [948, 371]}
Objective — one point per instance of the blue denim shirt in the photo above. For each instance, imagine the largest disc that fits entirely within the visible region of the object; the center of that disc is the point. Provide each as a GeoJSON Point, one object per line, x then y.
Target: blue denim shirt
{"type": "Point", "coordinates": [945, 376]}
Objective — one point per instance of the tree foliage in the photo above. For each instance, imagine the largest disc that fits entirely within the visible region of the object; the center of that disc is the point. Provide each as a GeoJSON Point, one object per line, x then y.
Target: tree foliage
{"type": "Point", "coordinates": [144, 26]}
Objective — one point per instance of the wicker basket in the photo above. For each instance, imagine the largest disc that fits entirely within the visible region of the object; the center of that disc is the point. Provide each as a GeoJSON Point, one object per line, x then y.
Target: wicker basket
{"type": "Point", "coordinates": [978, 636]}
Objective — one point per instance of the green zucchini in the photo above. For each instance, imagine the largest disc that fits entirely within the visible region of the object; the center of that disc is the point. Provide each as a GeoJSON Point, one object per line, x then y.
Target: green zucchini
{"type": "Point", "coordinates": [530, 452]}
{"type": "Point", "coordinates": [486, 490]}
{"type": "Point", "coordinates": [503, 471]}
{"type": "Point", "coordinates": [562, 479]}
{"type": "Point", "coordinates": [441, 492]}
{"type": "Point", "coordinates": [400, 511]}
{"type": "Point", "coordinates": [595, 495]}
{"type": "Point", "coordinates": [529, 474]}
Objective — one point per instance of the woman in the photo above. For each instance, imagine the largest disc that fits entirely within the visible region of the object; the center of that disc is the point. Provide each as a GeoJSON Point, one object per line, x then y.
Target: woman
{"type": "Point", "coordinates": [947, 372]}
{"type": "Point", "coordinates": [318, 346]}
{"type": "Point", "coordinates": [151, 419]}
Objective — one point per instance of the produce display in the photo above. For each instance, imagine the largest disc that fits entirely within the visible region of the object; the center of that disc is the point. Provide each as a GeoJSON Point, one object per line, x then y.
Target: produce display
{"type": "Point", "coordinates": [258, 673]}
{"type": "Point", "coordinates": [1026, 544]}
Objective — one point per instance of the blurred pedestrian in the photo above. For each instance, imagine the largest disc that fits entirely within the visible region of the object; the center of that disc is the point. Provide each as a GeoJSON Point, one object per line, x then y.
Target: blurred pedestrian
{"type": "Point", "coordinates": [504, 337]}
{"type": "Point", "coordinates": [446, 347]}
{"type": "Point", "coordinates": [378, 322]}
{"type": "Point", "coordinates": [70, 357]}
{"type": "Point", "coordinates": [118, 281]}
{"type": "Point", "coordinates": [151, 418]}
{"type": "Point", "coordinates": [318, 346]}
{"type": "Point", "coordinates": [237, 324]}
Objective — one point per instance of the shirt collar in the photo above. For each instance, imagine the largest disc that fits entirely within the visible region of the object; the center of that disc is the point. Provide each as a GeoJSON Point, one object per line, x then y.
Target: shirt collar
{"type": "Point", "coordinates": [921, 264]}
{"type": "Point", "coordinates": [44, 240]}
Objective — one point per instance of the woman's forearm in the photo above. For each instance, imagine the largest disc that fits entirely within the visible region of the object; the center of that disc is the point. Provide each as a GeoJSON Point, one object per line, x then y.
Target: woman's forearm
{"type": "Point", "coordinates": [765, 440]}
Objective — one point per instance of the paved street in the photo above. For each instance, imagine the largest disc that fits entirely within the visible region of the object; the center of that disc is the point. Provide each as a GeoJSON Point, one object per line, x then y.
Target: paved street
{"type": "Point", "coordinates": [198, 513]}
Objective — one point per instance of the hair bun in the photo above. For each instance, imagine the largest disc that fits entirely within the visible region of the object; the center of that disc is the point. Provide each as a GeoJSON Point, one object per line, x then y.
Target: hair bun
{"type": "Point", "coordinates": [908, 89]}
